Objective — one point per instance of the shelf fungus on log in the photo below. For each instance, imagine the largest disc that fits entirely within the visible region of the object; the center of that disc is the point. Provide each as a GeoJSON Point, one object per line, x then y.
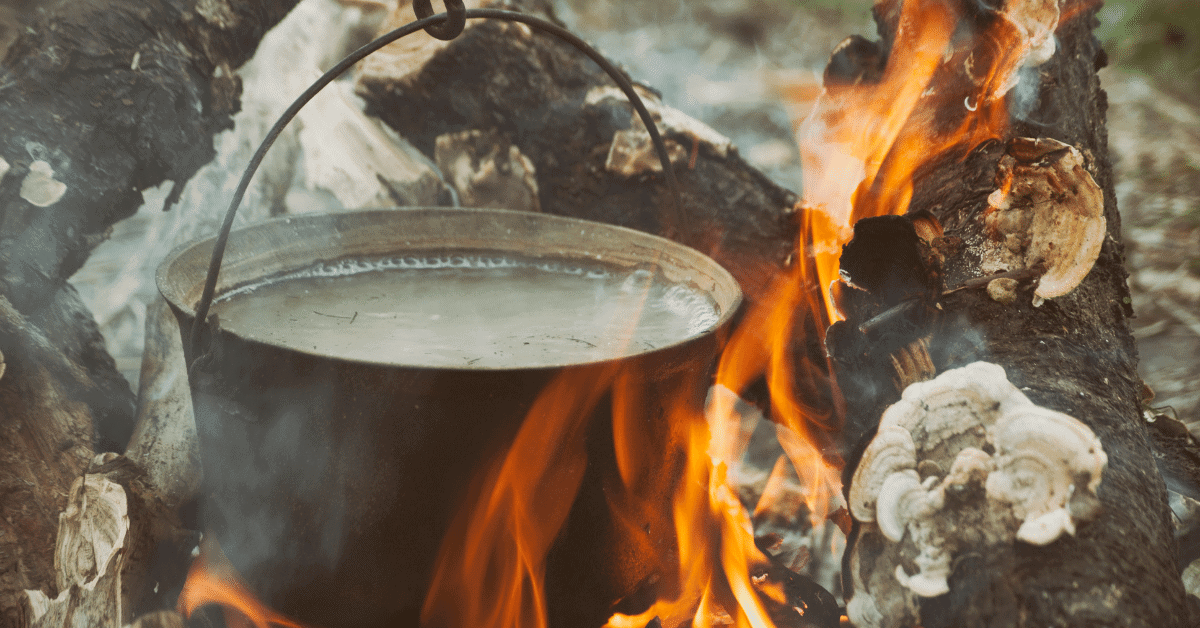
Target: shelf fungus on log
{"type": "Point", "coordinates": [1047, 212]}
{"type": "Point", "coordinates": [40, 187]}
{"type": "Point", "coordinates": [1036, 20]}
{"type": "Point", "coordinates": [961, 463]}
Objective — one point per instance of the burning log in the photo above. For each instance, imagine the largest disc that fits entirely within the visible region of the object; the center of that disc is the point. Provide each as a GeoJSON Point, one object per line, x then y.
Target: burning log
{"type": "Point", "coordinates": [957, 524]}
{"type": "Point", "coordinates": [101, 100]}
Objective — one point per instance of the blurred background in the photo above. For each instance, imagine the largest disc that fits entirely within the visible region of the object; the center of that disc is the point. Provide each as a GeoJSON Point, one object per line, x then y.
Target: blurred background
{"type": "Point", "coordinates": [750, 69]}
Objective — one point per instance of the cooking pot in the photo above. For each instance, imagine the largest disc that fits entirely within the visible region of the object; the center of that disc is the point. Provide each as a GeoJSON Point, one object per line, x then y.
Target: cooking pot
{"type": "Point", "coordinates": [330, 482]}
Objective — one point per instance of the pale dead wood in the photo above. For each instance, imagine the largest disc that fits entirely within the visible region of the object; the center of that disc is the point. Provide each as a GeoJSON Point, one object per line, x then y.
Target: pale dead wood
{"type": "Point", "coordinates": [164, 439]}
{"type": "Point", "coordinates": [88, 559]}
{"type": "Point", "coordinates": [119, 551]}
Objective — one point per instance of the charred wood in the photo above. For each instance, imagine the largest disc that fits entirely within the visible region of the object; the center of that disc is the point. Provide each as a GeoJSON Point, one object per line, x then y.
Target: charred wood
{"type": "Point", "coordinates": [159, 619]}
{"type": "Point", "coordinates": [101, 99]}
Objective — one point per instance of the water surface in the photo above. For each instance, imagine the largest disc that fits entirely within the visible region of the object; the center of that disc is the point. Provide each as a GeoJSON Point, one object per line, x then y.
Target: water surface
{"type": "Point", "coordinates": [469, 310]}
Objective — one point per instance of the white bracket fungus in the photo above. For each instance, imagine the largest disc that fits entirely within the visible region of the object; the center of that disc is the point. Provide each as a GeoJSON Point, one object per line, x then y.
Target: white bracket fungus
{"type": "Point", "coordinates": [1047, 212]}
{"type": "Point", "coordinates": [1041, 462]}
{"type": "Point", "coordinates": [3, 167]}
{"type": "Point", "coordinates": [1043, 458]}
{"type": "Point", "coordinates": [1033, 23]}
{"type": "Point", "coordinates": [39, 186]}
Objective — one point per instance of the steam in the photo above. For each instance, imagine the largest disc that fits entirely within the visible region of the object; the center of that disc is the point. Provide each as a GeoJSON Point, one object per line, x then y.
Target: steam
{"type": "Point", "coordinates": [266, 465]}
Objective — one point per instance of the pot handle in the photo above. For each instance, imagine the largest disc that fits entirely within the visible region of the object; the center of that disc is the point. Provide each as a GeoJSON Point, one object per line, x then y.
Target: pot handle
{"type": "Point", "coordinates": [444, 26]}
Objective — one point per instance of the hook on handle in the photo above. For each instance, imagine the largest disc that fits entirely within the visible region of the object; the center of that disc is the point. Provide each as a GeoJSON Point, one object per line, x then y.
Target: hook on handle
{"type": "Point", "coordinates": [456, 18]}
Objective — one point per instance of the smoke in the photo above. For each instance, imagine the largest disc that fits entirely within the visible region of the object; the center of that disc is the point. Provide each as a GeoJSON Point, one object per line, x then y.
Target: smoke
{"type": "Point", "coordinates": [1023, 97]}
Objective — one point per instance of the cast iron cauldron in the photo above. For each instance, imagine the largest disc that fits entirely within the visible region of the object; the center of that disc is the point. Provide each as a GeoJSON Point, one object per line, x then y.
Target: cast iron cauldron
{"type": "Point", "coordinates": [329, 483]}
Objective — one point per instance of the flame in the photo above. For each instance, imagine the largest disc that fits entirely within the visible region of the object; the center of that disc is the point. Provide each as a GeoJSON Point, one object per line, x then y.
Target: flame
{"type": "Point", "coordinates": [212, 580]}
{"type": "Point", "coordinates": [491, 569]}
{"type": "Point", "coordinates": [862, 145]}
{"type": "Point", "coordinates": [775, 494]}
{"type": "Point", "coordinates": [764, 346]}
{"type": "Point", "coordinates": [711, 583]}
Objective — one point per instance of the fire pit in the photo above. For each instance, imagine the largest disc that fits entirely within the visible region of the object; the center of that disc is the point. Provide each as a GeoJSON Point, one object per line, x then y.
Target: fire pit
{"type": "Point", "coordinates": [365, 364]}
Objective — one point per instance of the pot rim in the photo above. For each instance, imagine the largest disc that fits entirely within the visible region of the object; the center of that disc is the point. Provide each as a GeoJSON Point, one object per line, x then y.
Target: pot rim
{"type": "Point", "coordinates": [183, 294]}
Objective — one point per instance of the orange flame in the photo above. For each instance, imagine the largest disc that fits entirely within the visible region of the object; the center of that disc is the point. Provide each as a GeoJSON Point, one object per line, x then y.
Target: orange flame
{"type": "Point", "coordinates": [491, 568]}
{"type": "Point", "coordinates": [212, 580]}
{"type": "Point", "coordinates": [861, 146]}
{"type": "Point", "coordinates": [764, 345]}
{"type": "Point", "coordinates": [715, 543]}
{"type": "Point", "coordinates": [863, 143]}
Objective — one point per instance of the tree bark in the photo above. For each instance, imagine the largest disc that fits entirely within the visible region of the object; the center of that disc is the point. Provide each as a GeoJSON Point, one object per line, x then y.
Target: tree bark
{"type": "Point", "coordinates": [1074, 354]}
{"type": "Point", "coordinates": [100, 99]}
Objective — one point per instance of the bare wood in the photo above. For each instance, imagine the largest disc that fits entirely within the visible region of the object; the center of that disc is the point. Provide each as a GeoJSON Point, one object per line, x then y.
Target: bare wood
{"type": "Point", "coordinates": [88, 557]}
{"type": "Point", "coordinates": [118, 553]}
{"type": "Point", "coordinates": [164, 440]}
{"type": "Point", "coordinates": [45, 443]}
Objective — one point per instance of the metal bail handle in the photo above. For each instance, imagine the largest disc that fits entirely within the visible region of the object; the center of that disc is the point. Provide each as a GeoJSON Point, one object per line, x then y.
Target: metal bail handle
{"type": "Point", "coordinates": [442, 26]}
{"type": "Point", "coordinates": [456, 18]}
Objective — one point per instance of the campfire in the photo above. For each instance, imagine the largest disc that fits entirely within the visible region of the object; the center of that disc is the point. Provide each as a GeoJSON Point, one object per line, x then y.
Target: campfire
{"type": "Point", "coordinates": [863, 440]}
